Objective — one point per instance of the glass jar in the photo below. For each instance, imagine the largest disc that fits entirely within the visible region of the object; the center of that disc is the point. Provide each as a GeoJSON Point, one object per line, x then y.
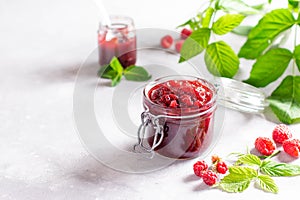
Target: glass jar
{"type": "Point", "coordinates": [176, 127]}
{"type": "Point", "coordinates": [117, 39]}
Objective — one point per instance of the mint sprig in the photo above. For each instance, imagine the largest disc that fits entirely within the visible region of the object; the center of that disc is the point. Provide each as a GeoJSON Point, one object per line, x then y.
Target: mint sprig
{"type": "Point", "coordinates": [114, 71]}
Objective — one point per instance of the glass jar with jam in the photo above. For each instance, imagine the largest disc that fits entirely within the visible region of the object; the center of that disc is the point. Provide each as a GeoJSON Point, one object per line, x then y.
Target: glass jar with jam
{"type": "Point", "coordinates": [178, 116]}
{"type": "Point", "coordinates": [117, 39]}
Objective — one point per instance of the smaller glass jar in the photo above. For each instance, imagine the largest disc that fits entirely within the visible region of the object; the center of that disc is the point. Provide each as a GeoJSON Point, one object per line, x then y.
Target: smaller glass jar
{"type": "Point", "coordinates": [117, 39]}
{"type": "Point", "coordinates": [178, 116]}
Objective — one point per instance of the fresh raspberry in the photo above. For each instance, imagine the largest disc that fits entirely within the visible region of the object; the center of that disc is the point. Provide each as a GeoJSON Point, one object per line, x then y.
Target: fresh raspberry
{"type": "Point", "coordinates": [292, 147]}
{"type": "Point", "coordinates": [178, 45]}
{"type": "Point", "coordinates": [281, 133]}
{"type": "Point", "coordinates": [221, 167]}
{"type": "Point", "coordinates": [209, 177]}
{"type": "Point", "coordinates": [200, 167]}
{"type": "Point", "coordinates": [185, 33]}
{"type": "Point", "coordinates": [264, 145]}
{"type": "Point", "coordinates": [166, 41]}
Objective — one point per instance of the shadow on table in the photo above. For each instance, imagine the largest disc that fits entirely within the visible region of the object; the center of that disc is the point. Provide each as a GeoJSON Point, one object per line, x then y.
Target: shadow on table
{"type": "Point", "coordinates": [70, 73]}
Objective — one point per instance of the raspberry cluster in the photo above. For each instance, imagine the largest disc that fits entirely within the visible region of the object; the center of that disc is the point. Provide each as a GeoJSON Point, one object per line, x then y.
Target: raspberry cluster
{"type": "Point", "coordinates": [167, 41]}
{"type": "Point", "coordinates": [210, 174]}
{"type": "Point", "coordinates": [281, 135]}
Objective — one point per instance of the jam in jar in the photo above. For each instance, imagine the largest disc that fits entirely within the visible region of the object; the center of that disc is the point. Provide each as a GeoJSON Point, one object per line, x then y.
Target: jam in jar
{"type": "Point", "coordinates": [178, 116]}
{"type": "Point", "coordinates": [117, 39]}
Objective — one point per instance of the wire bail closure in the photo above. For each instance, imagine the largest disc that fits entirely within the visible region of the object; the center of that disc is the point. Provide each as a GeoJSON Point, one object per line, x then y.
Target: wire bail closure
{"type": "Point", "coordinates": [147, 118]}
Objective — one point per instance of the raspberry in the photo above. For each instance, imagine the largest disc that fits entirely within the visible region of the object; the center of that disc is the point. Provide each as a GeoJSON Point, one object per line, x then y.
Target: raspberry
{"type": "Point", "coordinates": [221, 167]}
{"type": "Point", "coordinates": [186, 99]}
{"type": "Point", "coordinates": [292, 147]}
{"type": "Point", "coordinates": [209, 177]}
{"type": "Point", "coordinates": [185, 33]}
{"type": "Point", "coordinates": [173, 104]}
{"type": "Point", "coordinates": [200, 167]}
{"type": "Point", "coordinates": [264, 145]}
{"type": "Point", "coordinates": [281, 133]}
{"type": "Point", "coordinates": [178, 45]}
{"type": "Point", "coordinates": [166, 41]}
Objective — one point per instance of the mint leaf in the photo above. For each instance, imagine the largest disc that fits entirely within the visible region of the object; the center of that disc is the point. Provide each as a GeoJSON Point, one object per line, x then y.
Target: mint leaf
{"type": "Point", "coordinates": [113, 71]}
{"type": "Point", "coordinates": [273, 168]}
{"type": "Point", "coordinates": [194, 44]}
{"type": "Point", "coordinates": [221, 60]}
{"type": "Point", "coordinates": [238, 179]}
{"type": "Point", "coordinates": [268, 28]}
{"type": "Point", "coordinates": [136, 73]}
{"type": "Point", "coordinates": [269, 67]}
{"type": "Point", "coordinates": [238, 6]}
{"type": "Point", "coordinates": [285, 100]}
{"type": "Point", "coordinates": [297, 55]}
{"type": "Point", "coordinates": [116, 65]}
{"type": "Point", "coordinates": [242, 30]}
{"type": "Point", "coordinates": [107, 72]}
{"type": "Point", "coordinates": [227, 23]}
{"type": "Point", "coordinates": [249, 159]}
{"type": "Point", "coordinates": [267, 183]}
{"type": "Point", "coordinates": [116, 80]}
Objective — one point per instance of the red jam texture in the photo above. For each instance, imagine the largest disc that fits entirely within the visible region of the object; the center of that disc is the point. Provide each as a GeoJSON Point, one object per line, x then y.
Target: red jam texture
{"type": "Point", "coordinates": [184, 136]}
{"type": "Point", "coordinates": [180, 94]}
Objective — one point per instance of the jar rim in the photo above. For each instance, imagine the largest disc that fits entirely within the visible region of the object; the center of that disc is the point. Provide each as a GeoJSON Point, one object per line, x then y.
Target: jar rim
{"type": "Point", "coordinates": [206, 108]}
{"type": "Point", "coordinates": [124, 20]}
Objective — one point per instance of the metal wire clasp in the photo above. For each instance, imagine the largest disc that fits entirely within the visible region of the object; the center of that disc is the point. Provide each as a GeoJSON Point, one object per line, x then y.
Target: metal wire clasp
{"type": "Point", "coordinates": [148, 119]}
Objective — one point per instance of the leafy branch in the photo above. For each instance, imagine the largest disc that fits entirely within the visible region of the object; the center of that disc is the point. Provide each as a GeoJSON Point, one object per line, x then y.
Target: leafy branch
{"type": "Point", "coordinates": [271, 61]}
{"type": "Point", "coordinates": [250, 168]}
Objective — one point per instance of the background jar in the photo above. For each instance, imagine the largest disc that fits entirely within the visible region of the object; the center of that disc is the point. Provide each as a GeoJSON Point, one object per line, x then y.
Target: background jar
{"type": "Point", "coordinates": [117, 39]}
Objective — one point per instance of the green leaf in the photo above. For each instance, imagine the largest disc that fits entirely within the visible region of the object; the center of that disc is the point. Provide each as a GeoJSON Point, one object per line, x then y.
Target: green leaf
{"type": "Point", "coordinates": [113, 71]}
{"type": "Point", "coordinates": [242, 30]}
{"type": "Point", "coordinates": [264, 33]}
{"type": "Point", "coordinates": [107, 72]}
{"type": "Point", "coordinates": [297, 56]}
{"type": "Point", "coordinates": [285, 100]}
{"type": "Point", "coordinates": [249, 159]}
{"type": "Point", "coordinates": [116, 80]}
{"type": "Point", "coordinates": [269, 67]}
{"type": "Point", "coordinates": [267, 183]}
{"type": "Point", "coordinates": [136, 73]}
{"type": "Point", "coordinates": [227, 23]}
{"type": "Point", "coordinates": [273, 168]}
{"type": "Point", "coordinates": [193, 23]}
{"type": "Point", "coordinates": [194, 44]}
{"type": "Point", "coordinates": [243, 172]}
{"type": "Point", "coordinates": [116, 65]}
{"type": "Point", "coordinates": [238, 6]}
{"type": "Point", "coordinates": [238, 179]}
{"type": "Point", "coordinates": [221, 60]}
{"type": "Point", "coordinates": [206, 19]}
{"type": "Point", "coordinates": [294, 5]}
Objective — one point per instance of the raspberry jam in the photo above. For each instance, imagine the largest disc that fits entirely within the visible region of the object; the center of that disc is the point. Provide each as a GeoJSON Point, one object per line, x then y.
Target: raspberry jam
{"type": "Point", "coordinates": [180, 113]}
{"type": "Point", "coordinates": [117, 39]}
